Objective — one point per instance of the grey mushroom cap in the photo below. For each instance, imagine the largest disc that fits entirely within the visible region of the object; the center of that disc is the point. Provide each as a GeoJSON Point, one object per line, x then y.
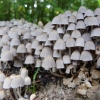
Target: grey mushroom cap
{"type": "Point", "coordinates": [86, 56]}
{"type": "Point", "coordinates": [15, 42]}
{"type": "Point", "coordinates": [56, 54]}
{"type": "Point", "coordinates": [66, 59]}
{"type": "Point", "coordinates": [75, 55]}
{"type": "Point", "coordinates": [48, 62]}
{"type": "Point", "coordinates": [76, 34]}
{"type": "Point", "coordinates": [59, 45]}
{"type": "Point", "coordinates": [82, 9]}
{"type": "Point", "coordinates": [66, 36]}
{"type": "Point", "coordinates": [71, 27]}
{"type": "Point", "coordinates": [29, 60]}
{"type": "Point", "coordinates": [70, 42]}
{"type": "Point", "coordinates": [80, 25]}
{"type": "Point", "coordinates": [89, 45]}
{"type": "Point", "coordinates": [56, 20]}
{"type": "Point", "coordinates": [97, 11]}
{"type": "Point", "coordinates": [95, 32]}
{"type": "Point", "coordinates": [59, 63]}
{"type": "Point", "coordinates": [72, 19]}
{"type": "Point", "coordinates": [80, 16]}
{"type": "Point", "coordinates": [79, 42]}
{"type": "Point", "coordinates": [21, 48]}
{"type": "Point", "coordinates": [89, 13]}
{"type": "Point", "coordinates": [86, 37]}
{"type": "Point", "coordinates": [35, 44]}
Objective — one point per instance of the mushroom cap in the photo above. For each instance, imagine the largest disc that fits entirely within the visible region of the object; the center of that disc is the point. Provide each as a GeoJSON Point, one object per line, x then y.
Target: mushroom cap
{"type": "Point", "coordinates": [59, 45]}
{"type": "Point", "coordinates": [21, 48]}
{"type": "Point", "coordinates": [86, 37]}
{"type": "Point", "coordinates": [38, 50]}
{"type": "Point", "coordinates": [97, 11]}
{"type": "Point", "coordinates": [5, 38]}
{"type": "Point", "coordinates": [80, 25]}
{"type": "Point", "coordinates": [7, 83]}
{"type": "Point", "coordinates": [66, 36]}
{"type": "Point", "coordinates": [86, 56]}
{"type": "Point", "coordinates": [23, 72]}
{"type": "Point", "coordinates": [59, 63]}
{"type": "Point", "coordinates": [29, 60]}
{"type": "Point", "coordinates": [68, 68]}
{"type": "Point", "coordinates": [13, 51]}
{"type": "Point", "coordinates": [71, 27]}
{"type": "Point", "coordinates": [76, 34]}
{"type": "Point", "coordinates": [5, 48]}
{"type": "Point", "coordinates": [82, 9]}
{"type": "Point", "coordinates": [79, 16]}
{"type": "Point", "coordinates": [66, 59]}
{"type": "Point", "coordinates": [88, 13]}
{"type": "Point", "coordinates": [56, 54]}
{"type": "Point", "coordinates": [13, 34]}
{"type": "Point", "coordinates": [95, 32]}
{"type": "Point", "coordinates": [2, 76]}
{"type": "Point", "coordinates": [35, 44]}
{"type": "Point", "coordinates": [70, 42]}
{"type": "Point", "coordinates": [18, 63]}
{"type": "Point", "coordinates": [64, 21]}
{"type": "Point", "coordinates": [42, 37]}
{"type": "Point", "coordinates": [27, 36]}
{"type": "Point", "coordinates": [48, 43]}
{"type": "Point", "coordinates": [92, 21]}
{"type": "Point", "coordinates": [79, 42]}
{"type": "Point", "coordinates": [45, 52]}
{"type": "Point", "coordinates": [72, 19]}
{"type": "Point", "coordinates": [60, 30]}
{"type": "Point", "coordinates": [27, 80]}
{"type": "Point", "coordinates": [2, 94]}
{"type": "Point", "coordinates": [6, 56]}
{"type": "Point", "coordinates": [74, 13]}
{"type": "Point", "coordinates": [15, 42]}
{"type": "Point", "coordinates": [98, 17]}
{"type": "Point", "coordinates": [38, 63]}
{"type": "Point", "coordinates": [48, 62]}
{"type": "Point", "coordinates": [75, 55]}
{"type": "Point", "coordinates": [56, 20]}
{"type": "Point", "coordinates": [53, 36]}
{"type": "Point", "coordinates": [2, 32]}
{"type": "Point", "coordinates": [89, 45]}
{"type": "Point", "coordinates": [68, 13]}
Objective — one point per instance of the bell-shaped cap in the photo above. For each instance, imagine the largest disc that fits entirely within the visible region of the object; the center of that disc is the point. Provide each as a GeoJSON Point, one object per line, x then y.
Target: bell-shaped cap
{"type": "Point", "coordinates": [5, 38]}
{"type": "Point", "coordinates": [29, 60]}
{"type": "Point", "coordinates": [74, 13]}
{"type": "Point", "coordinates": [89, 45]}
{"type": "Point", "coordinates": [56, 54]}
{"type": "Point", "coordinates": [82, 9]}
{"type": "Point", "coordinates": [72, 19]}
{"type": "Point", "coordinates": [66, 59]}
{"type": "Point", "coordinates": [76, 34]}
{"type": "Point", "coordinates": [48, 43]}
{"type": "Point", "coordinates": [13, 34]}
{"type": "Point", "coordinates": [86, 37]}
{"type": "Point", "coordinates": [53, 36]}
{"type": "Point", "coordinates": [98, 17]}
{"type": "Point", "coordinates": [56, 20]}
{"type": "Point", "coordinates": [59, 63]}
{"type": "Point", "coordinates": [66, 36]}
{"type": "Point", "coordinates": [27, 36]}
{"type": "Point", "coordinates": [2, 76]}
{"type": "Point", "coordinates": [13, 51]}
{"type": "Point", "coordinates": [97, 11]}
{"type": "Point", "coordinates": [2, 94]}
{"type": "Point", "coordinates": [45, 52]}
{"type": "Point", "coordinates": [88, 13]}
{"type": "Point", "coordinates": [42, 37]}
{"type": "Point", "coordinates": [75, 55]}
{"type": "Point", "coordinates": [59, 45]}
{"type": "Point", "coordinates": [70, 42]}
{"type": "Point", "coordinates": [35, 44]}
{"type": "Point", "coordinates": [80, 25]}
{"type": "Point", "coordinates": [86, 56]}
{"type": "Point", "coordinates": [38, 50]}
{"type": "Point", "coordinates": [64, 21]}
{"type": "Point", "coordinates": [15, 42]}
{"type": "Point", "coordinates": [71, 27]}
{"type": "Point", "coordinates": [92, 21]}
{"type": "Point", "coordinates": [79, 42]}
{"type": "Point", "coordinates": [5, 48]}
{"type": "Point", "coordinates": [6, 56]}
{"type": "Point", "coordinates": [7, 83]}
{"type": "Point", "coordinates": [38, 63]}
{"type": "Point", "coordinates": [18, 63]}
{"type": "Point", "coordinates": [2, 32]}
{"type": "Point", "coordinates": [48, 62]}
{"type": "Point", "coordinates": [60, 30]}
{"type": "Point", "coordinates": [27, 80]}
{"type": "Point", "coordinates": [95, 32]}
{"type": "Point", "coordinates": [21, 48]}
{"type": "Point", "coordinates": [79, 16]}
{"type": "Point", "coordinates": [23, 72]}
{"type": "Point", "coordinates": [68, 13]}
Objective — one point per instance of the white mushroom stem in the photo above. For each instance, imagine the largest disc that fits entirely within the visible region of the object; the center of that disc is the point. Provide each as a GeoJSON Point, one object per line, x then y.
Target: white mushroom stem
{"type": "Point", "coordinates": [19, 95]}
{"type": "Point", "coordinates": [15, 93]}
{"type": "Point", "coordinates": [5, 94]}
{"type": "Point", "coordinates": [69, 51]}
{"type": "Point", "coordinates": [26, 90]}
{"type": "Point", "coordinates": [10, 94]}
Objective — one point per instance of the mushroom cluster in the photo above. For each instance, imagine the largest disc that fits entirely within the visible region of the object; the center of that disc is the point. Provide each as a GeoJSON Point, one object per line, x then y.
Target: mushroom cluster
{"type": "Point", "coordinates": [68, 47]}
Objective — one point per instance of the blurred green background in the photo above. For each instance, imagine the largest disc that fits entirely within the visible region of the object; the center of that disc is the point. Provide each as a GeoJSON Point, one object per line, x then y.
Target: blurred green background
{"type": "Point", "coordinates": [44, 10]}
